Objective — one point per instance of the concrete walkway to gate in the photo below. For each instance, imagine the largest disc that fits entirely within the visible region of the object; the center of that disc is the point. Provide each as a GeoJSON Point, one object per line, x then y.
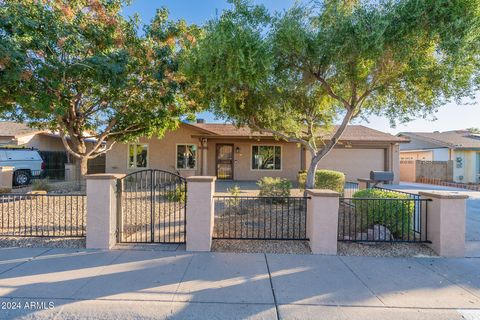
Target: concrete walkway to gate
{"type": "Point", "coordinates": [136, 284]}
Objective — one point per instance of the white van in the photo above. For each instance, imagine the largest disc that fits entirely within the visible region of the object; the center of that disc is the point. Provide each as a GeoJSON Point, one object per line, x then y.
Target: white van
{"type": "Point", "coordinates": [27, 164]}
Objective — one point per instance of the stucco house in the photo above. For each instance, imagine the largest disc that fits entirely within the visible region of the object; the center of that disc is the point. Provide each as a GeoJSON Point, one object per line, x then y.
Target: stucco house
{"type": "Point", "coordinates": [232, 153]}
{"type": "Point", "coordinates": [460, 146]}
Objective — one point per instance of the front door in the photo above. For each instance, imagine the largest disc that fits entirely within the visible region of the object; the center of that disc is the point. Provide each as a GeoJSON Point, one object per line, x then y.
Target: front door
{"type": "Point", "coordinates": [224, 162]}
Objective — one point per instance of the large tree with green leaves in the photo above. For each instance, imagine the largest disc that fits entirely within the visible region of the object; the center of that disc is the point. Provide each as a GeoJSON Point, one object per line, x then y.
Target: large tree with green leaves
{"type": "Point", "coordinates": [297, 73]}
{"type": "Point", "coordinates": [81, 69]}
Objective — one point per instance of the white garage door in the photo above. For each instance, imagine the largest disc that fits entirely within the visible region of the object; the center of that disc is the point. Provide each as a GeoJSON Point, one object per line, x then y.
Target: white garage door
{"type": "Point", "coordinates": [355, 163]}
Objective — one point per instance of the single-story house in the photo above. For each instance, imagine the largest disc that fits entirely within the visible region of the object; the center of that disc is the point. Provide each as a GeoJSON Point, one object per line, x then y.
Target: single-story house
{"type": "Point", "coordinates": [48, 143]}
{"type": "Point", "coordinates": [460, 146]}
{"type": "Point", "coordinates": [232, 153]}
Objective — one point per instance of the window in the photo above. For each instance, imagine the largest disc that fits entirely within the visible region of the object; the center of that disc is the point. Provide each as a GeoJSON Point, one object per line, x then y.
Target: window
{"type": "Point", "coordinates": [186, 156]}
{"type": "Point", "coordinates": [137, 155]}
{"type": "Point", "coordinates": [266, 158]}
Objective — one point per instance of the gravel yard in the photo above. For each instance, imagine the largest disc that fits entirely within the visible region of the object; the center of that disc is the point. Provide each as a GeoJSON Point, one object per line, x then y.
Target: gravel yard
{"type": "Point", "coordinates": [344, 248]}
{"type": "Point", "coordinates": [261, 246]}
{"type": "Point", "coordinates": [42, 215]}
{"type": "Point", "coordinates": [384, 249]}
{"type": "Point", "coordinates": [56, 187]}
{"type": "Point", "coordinates": [39, 242]}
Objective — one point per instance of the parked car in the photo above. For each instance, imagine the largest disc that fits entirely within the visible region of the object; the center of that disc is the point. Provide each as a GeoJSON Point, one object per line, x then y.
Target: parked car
{"type": "Point", "coordinates": [27, 164]}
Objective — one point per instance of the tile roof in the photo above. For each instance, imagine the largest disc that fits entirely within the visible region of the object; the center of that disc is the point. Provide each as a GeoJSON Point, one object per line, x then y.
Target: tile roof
{"type": "Point", "coordinates": [14, 129]}
{"type": "Point", "coordinates": [352, 132]}
{"type": "Point", "coordinates": [458, 139]}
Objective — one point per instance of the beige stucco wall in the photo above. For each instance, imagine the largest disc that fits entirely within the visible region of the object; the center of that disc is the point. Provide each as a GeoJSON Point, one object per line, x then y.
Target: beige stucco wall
{"type": "Point", "coordinates": [354, 162]}
{"type": "Point", "coordinates": [418, 155]}
{"type": "Point", "coordinates": [42, 142]}
{"type": "Point", "coordinates": [161, 153]}
{"type": "Point", "coordinates": [290, 163]}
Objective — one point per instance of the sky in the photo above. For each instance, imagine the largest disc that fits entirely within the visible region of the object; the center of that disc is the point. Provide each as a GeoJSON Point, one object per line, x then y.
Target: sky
{"type": "Point", "coordinates": [449, 117]}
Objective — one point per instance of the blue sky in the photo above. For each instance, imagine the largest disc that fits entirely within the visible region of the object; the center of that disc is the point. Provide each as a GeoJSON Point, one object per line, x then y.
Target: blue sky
{"type": "Point", "coordinates": [449, 117]}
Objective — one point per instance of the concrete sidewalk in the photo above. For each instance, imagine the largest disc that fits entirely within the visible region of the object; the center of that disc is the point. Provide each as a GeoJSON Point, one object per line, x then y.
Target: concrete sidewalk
{"type": "Point", "coordinates": [127, 284]}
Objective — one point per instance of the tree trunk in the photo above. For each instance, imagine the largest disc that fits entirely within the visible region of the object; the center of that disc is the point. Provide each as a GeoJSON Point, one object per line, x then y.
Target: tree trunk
{"type": "Point", "coordinates": [83, 167]}
{"type": "Point", "coordinates": [310, 182]}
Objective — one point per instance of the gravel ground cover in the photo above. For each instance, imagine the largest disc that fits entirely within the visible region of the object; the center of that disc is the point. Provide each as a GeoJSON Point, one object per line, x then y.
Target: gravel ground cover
{"type": "Point", "coordinates": [261, 246]}
{"type": "Point", "coordinates": [42, 215]}
{"type": "Point", "coordinates": [344, 248]}
{"type": "Point", "coordinates": [46, 242]}
{"type": "Point", "coordinates": [57, 187]}
{"type": "Point", "coordinates": [385, 249]}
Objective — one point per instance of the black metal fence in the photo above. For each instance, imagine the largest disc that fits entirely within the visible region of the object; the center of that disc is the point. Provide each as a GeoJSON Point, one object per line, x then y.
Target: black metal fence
{"type": "Point", "coordinates": [151, 207]}
{"type": "Point", "coordinates": [417, 203]}
{"type": "Point", "coordinates": [260, 218]}
{"type": "Point", "coordinates": [383, 220]}
{"type": "Point", "coordinates": [49, 215]}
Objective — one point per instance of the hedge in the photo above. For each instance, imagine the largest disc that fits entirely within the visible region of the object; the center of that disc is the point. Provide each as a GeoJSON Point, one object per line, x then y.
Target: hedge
{"type": "Point", "coordinates": [397, 216]}
{"type": "Point", "coordinates": [325, 179]}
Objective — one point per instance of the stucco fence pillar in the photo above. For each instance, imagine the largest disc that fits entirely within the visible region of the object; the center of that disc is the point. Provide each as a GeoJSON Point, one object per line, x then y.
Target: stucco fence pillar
{"type": "Point", "coordinates": [322, 221]}
{"type": "Point", "coordinates": [6, 177]}
{"type": "Point", "coordinates": [445, 225]}
{"type": "Point", "coordinates": [200, 212]}
{"type": "Point", "coordinates": [102, 210]}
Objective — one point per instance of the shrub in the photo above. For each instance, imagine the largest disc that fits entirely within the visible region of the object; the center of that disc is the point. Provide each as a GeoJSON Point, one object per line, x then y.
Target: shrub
{"type": "Point", "coordinates": [41, 185]}
{"type": "Point", "coordinates": [397, 216]}
{"type": "Point", "coordinates": [234, 192]}
{"type": "Point", "coordinates": [274, 187]}
{"type": "Point", "coordinates": [178, 194]}
{"type": "Point", "coordinates": [324, 179]}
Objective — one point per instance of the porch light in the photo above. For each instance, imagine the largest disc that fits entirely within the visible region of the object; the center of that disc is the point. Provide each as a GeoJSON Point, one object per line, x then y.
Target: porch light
{"type": "Point", "coordinates": [237, 149]}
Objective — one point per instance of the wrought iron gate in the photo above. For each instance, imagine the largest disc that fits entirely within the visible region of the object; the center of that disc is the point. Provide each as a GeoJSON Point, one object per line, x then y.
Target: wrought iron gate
{"type": "Point", "coordinates": [151, 207]}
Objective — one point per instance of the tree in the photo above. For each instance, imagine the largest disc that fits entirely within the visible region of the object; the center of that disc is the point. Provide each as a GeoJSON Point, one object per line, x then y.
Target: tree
{"type": "Point", "coordinates": [297, 73]}
{"type": "Point", "coordinates": [80, 69]}
{"type": "Point", "coordinates": [474, 130]}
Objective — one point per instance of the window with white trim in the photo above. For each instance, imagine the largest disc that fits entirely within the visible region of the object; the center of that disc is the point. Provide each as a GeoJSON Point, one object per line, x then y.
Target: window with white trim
{"type": "Point", "coordinates": [266, 157]}
{"type": "Point", "coordinates": [186, 156]}
{"type": "Point", "coordinates": [137, 155]}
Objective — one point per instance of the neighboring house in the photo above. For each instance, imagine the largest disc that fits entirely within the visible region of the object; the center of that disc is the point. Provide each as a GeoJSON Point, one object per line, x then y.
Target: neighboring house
{"type": "Point", "coordinates": [232, 153]}
{"type": "Point", "coordinates": [49, 145]}
{"type": "Point", "coordinates": [460, 146]}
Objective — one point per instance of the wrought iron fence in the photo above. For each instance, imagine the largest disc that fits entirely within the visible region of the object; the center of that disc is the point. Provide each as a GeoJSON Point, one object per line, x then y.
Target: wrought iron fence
{"type": "Point", "coordinates": [382, 220]}
{"type": "Point", "coordinates": [42, 215]}
{"type": "Point", "coordinates": [417, 204]}
{"type": "Point", "coordinates": [260, 218]}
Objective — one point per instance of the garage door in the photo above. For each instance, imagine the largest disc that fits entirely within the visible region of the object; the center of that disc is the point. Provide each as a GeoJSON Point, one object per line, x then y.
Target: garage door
{"type": "Point", "coordinates": [355, 163]}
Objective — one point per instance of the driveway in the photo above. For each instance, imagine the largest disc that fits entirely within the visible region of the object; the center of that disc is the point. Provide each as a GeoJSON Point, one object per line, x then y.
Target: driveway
{"type": "Point", "coordinates": [473, 211]}
{"type": "Point", "coordinates": [38, 283]}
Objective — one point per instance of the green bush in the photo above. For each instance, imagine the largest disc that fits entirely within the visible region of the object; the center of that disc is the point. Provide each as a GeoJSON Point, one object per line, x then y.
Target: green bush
{"type": "Point", "coordinates": [234, 192]}
{"type": "Point", "coordinates": [397, 216]}
{"type": "Point", "coordinates": [274, 187]}
{"type": "Point", "coordinates": [324, 179]}
{"type": "Point", "coordinates": [41, 185]}
{"type": "Point", "coordinates": [178, 194]}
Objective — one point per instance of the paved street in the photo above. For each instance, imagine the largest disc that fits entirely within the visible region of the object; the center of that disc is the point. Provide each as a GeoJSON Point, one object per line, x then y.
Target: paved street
{"type": "Point", "coordinates": [128, 284]}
